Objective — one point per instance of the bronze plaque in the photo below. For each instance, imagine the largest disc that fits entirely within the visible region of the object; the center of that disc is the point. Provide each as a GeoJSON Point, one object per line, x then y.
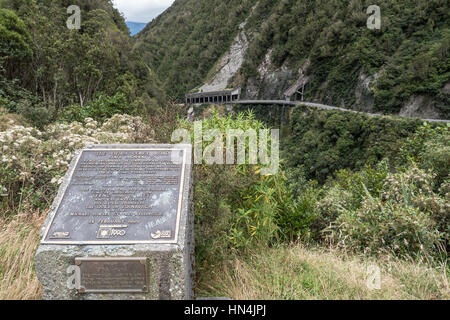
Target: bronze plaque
{"type": "Point", "coordinates": [121, 196]}
{"type": "Point", "coordinates": [112, 275]}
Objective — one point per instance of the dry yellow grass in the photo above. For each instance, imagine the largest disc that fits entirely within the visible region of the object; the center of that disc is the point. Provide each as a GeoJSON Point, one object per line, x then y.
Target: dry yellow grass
{"type": "Point", "coordinates": [19, 239]}
{"type": "Point", "coordinates": [307, 273]}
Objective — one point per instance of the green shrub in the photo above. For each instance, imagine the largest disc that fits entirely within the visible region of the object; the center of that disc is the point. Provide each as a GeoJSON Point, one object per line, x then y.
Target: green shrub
{"type": "Point", "coordinates": [429, 147]}
{"type": "Point", "coordinates": [266, 213]}
{"type": "Point", "coordinates": [405, 216]}
{"type": "Point", "coordinates": [236, 208]}
{"type": "Point", "coordinates": [38, 114]}
{"type": "Point", "coordinates": [385, 227]}
{"type": "Point", "coordinates": [100, 108]}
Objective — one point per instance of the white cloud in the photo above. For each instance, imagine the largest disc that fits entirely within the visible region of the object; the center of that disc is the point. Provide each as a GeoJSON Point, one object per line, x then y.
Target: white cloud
{"type": "Point", "coordinates": [142, 10]}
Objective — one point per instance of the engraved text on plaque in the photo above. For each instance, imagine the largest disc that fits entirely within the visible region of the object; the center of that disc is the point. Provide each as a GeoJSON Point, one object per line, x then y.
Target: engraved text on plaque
{"type": "Point", "coordinates": [121, 196]}
{"type": "Point", "coordinates": [112, 274]}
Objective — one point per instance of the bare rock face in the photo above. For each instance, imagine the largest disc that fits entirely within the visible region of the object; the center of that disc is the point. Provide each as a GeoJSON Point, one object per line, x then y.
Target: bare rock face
{"type": "Point", "coordinates": [446, 89]}
{"type": "Point", "coordinates": [252, 89]}
{"type": "Point", "coordinates": [420, 107]}
{"type": "Point", "coordinates": [365, 99]}
{"type": "Point", "coordinates": [229, 64]}
{"type": "Point", "coordinates": [271, 82]}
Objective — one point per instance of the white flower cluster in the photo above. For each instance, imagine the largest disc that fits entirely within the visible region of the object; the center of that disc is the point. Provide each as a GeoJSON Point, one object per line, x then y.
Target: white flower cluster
{"type": "Point", "coordinates": [414, 181]}
{"type": "Point", "coordinates": [28, 154]}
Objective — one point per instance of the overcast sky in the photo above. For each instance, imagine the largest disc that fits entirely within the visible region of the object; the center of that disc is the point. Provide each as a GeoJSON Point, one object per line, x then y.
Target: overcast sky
{"type": "Point", "coordinates": [142, 10]}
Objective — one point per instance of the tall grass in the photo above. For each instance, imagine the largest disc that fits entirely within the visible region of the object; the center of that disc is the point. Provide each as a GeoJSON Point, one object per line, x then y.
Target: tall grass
{"type": "Point", "coordinates": [296, 272]}
{"type": "Point", "coordinates": [19, 239]}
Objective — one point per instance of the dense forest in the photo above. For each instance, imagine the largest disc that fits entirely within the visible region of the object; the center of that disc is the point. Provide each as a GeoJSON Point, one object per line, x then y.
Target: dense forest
{"type": "Point", "coordinates": [49, 72]}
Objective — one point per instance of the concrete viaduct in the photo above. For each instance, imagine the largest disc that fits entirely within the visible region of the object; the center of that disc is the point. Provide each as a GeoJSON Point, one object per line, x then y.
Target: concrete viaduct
{"type": "Point", "coordinates": [233, 97]}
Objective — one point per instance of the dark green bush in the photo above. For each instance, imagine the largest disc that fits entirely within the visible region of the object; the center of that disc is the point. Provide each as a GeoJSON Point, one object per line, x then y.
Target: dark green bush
{"type": "Point", "coordinates": [323, 142]}
{"type": "Point", "coordinates": [429, 147]}
{"type": "Point", "coordinates": [99, 109]}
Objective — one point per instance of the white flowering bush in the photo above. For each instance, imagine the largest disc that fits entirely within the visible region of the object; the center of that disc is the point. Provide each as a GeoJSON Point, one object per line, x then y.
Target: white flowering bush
{"type": "Point", "coordinates": [33, 162]}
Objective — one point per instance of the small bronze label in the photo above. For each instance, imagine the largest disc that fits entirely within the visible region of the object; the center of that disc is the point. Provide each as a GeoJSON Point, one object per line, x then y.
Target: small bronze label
{"type": "Point", "coordinates": [111, 275]}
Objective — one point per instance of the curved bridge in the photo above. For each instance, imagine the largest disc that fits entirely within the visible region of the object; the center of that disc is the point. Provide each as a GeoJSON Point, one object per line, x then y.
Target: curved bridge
{"type": "Point", "coordinates": [318, 105]}
{"type": "Point", "coordinates": [234, 97]}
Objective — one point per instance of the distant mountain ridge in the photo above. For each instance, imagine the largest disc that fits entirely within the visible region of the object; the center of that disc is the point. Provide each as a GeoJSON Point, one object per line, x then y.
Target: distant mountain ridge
{"type": "Point", "coordinates": [135, 27]}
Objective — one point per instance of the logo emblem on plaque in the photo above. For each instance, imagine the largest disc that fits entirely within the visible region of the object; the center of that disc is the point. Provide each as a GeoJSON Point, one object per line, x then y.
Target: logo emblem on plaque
{"type": "Point", "coordinates": [60, 235]}
{"type": "Point", "coordinates": [161, 234]}
{"type": "Point", "coordinates": [106, 232]}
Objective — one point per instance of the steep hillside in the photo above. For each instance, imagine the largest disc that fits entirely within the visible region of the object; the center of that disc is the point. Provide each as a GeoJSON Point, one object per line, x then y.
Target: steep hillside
{"type": "Point", "coordinates": [404, 67]}
{"type": "Point", "coordinates": [184, 43]}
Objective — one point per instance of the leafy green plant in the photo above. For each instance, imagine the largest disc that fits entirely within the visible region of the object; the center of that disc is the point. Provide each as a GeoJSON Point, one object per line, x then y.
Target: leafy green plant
{"type": "Point", "coordinates": [101, 108]}
{"type": "Point", "coordinates": [429, 147]}
{"type": "Point", "coordinates": [404, 216]}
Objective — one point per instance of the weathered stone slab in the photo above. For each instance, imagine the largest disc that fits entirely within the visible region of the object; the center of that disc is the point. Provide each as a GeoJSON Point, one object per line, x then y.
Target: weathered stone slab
{"type": "Point", "coordinates": [121, 201]}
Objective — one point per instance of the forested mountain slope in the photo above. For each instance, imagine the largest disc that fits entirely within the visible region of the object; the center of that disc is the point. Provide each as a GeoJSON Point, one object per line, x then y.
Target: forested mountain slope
{"type": "Point", "coordinates": [404, 67]}
{"type": "Point", "coordinates": [184, 42]}
{"type": "Point", "coordinates": [50, 72]}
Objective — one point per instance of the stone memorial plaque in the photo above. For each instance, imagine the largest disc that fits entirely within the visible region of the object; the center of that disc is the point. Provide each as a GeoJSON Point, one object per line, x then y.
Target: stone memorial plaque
{"type": "Point", "coordinates": [112, 275]}
{"type": "Point", "coordinates": [121, 226]}
{"type": "Point", "coordinates": [120, 196]}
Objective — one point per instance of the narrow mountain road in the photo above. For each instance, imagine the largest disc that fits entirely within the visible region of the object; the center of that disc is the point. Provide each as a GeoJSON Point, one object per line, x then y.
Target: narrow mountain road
{"type": "Point", "coordinates": [321, 106]}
